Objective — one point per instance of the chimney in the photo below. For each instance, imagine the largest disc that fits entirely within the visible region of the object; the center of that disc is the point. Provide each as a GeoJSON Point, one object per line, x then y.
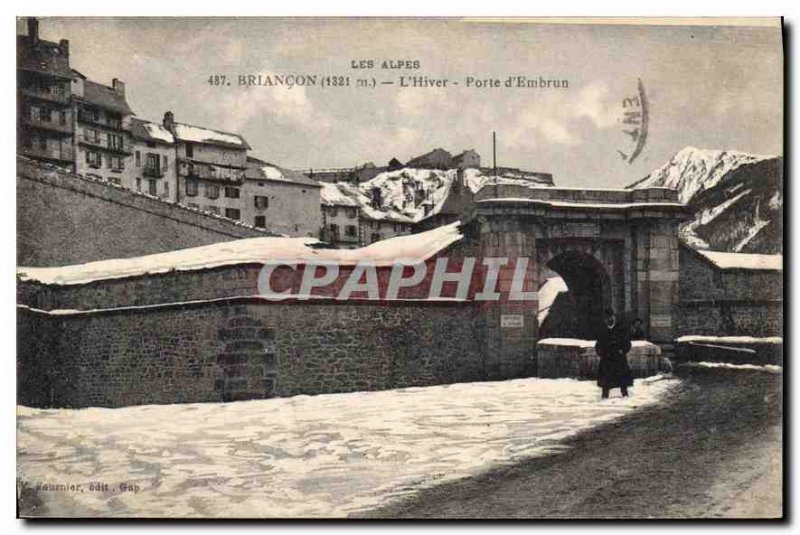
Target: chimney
{"type": "Point", "coordinates": [169, 120]}
{"type": "Point", "coordinates": [119, 86]}
{"type": "Point", "coordinates": [33, 31]}
{"type": "Point", "coordinates": [64, 45]}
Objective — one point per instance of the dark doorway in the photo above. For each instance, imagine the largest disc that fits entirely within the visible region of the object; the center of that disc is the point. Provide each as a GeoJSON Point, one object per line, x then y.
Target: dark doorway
{"type": "Point", "coordinates": [577, 312]}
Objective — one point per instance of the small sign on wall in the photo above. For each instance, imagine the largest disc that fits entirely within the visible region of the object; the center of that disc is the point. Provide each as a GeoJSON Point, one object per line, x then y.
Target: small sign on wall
{"type": "Point", "coordinates": [512, 321]}
{"type": "Point", "coordinates": [660, 320]}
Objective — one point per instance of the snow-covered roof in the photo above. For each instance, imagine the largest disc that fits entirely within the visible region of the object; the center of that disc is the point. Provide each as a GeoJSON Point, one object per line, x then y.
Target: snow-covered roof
{"type": "Point", "coordinates": [414, 247]}
{"type": "Point", "coordinates": [151, 131]}
{"type": "Point", "coordinates": [768, 262]}
{"type": "Point", "coordinates": [198, 134]}
{"type": "Point", "coordinates": [261, 170]}
{"type": "Point", "coordinates": [331, 195]}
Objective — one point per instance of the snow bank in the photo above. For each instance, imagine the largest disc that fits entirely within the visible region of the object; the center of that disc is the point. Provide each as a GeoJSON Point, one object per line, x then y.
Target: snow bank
{"type": "Point", "coordinates": [577, 342]}
{"type": "Point", "coordinates": [566, 342]}
{"type": "Point", "coordinates": [415, 247]}
{"type": "Point", "coordinates": [729, 339]}
{"type": "Point", "coordinates": [772, 262]}
{"type": "Point", "coordinates": [306, 456]}
{"type": "Point", "coordinates": [548, 294]}
{"type": "Point", "coordinates": [771, 368]}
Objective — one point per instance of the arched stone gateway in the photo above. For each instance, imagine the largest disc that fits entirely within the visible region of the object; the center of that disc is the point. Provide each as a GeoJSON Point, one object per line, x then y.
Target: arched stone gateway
{"type": "Point", "coordinates": [578, 312]}
{"type": "Point", "coordinates": [612, 248]}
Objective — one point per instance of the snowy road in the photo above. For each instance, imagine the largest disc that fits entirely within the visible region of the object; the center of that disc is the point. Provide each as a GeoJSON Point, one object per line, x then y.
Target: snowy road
{"type": "Point", "coordinates": [320, 456]}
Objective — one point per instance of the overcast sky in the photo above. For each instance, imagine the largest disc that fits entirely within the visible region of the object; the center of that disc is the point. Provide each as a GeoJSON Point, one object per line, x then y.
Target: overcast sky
{"type": "Point", "coordinates": [710, 87]}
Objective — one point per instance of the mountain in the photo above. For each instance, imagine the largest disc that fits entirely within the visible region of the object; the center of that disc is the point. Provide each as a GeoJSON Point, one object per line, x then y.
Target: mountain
{"type": "Point", "coordinates": [736, 199]}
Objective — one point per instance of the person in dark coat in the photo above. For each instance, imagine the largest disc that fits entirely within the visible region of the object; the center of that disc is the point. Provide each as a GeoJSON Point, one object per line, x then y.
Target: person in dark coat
{"type": "Point", "coordinates": [612, 347]}
{"type": "Point", "coordinates": [637, 330]}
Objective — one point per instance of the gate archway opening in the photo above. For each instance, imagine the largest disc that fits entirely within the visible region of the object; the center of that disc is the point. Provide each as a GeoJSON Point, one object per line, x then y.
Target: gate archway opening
{"type": "Point", "coordinates": [575, 307]}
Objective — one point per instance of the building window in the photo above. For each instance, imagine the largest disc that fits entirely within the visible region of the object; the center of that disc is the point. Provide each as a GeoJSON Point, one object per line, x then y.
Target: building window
{"type": "Point", "coordinates": [116, 163]}
{"type": "Point", "coordinates": [115, 141]}
{"type": "Point", "coordinates": [62, 117]}
{"type": "Point", "coordinates": [43, 146]}
{"type": "Point", "coordinates": [335, 230]}
{"type": "Point", "coordinates": [191, 188]}
{"type": "Point", "coordinates": [212, 191]}
{"type": "Point", "coordinates": [94, 159]}
{"type": "Point", "coordinates": [138, 184]}
{"type": "Point", "coordinates": [233, 213]}
{"type": "Point", "coordinates": [231, 192]}
{"type": "Point", "coordinates": [261, 221]}
{"type": "Point", "coordinates": [152, 186]}
{"type": "Point", "coordinates": [138, 158]}
{"type": "Point", "coordinates": [166, 161]}
{"type": "Point", "coordinates": [350, 230]}
{"type": "Point", "coordinates": [261, 202]}
{"type": "Point", "coordinates": [166, 188]}
{"type": "Point", "coordinates": [352, 213]}
{"type": "Point", "coordinates": [213, 209]}
{"type": "Point", "coordinates": [189, 150]}
{"type": "Point", "coordinates": [376, 237]}
{"type": "Point", "coordinates": [333, 211]}
{"type": "Point", "coordinates": [44, 115]}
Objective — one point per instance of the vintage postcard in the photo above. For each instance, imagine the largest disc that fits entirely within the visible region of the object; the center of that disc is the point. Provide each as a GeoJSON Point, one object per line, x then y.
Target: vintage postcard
{"type": "Point", "coordinates": [399, 268]}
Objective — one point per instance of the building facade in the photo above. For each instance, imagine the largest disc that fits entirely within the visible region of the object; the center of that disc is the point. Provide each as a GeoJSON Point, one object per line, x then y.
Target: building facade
{"type": "Point", "coordinates": [210, 168]}
{"type": "Point", "coordinates": [44, 104]}
{"type": "Point", "coordinates": [467, 159]}
{"type": "Point", "coordinates": [435, 159]}
{"type": "Point", "coordinates": [730, 294]}
{"type": "Point", "coordinates": [340, 218]}
{"type": "Point", "coordinates": [376, 226]}
{"type": "Point", "coordinates": [154, 160]}
{"type": "Point", "coordinates": [284, 201]}
{"type": "Point", "coordinates": [103, 139]}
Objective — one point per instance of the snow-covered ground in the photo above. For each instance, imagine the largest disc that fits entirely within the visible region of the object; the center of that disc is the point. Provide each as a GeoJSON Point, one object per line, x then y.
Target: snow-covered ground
{"type": "Point", "coordinates": [303, 456]}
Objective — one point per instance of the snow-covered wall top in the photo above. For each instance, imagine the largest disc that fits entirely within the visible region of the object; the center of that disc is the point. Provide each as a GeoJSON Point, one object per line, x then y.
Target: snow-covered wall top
{"type": "Point", "coordinates": [770, 262]}
{"type": "Point", "coordinates": [416, 247]}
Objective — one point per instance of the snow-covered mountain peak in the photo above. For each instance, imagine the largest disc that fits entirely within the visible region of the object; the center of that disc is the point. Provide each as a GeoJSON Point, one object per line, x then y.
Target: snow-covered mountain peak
{"type": "Point", "coordinates": [692, 170]}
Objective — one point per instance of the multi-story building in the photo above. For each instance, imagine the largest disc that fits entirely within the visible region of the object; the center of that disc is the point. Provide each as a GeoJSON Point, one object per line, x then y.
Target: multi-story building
{"type": "Point", "coordinates": [377, 225]}
{"type": "Point", "coordinates": [340, 218]}
{"type": "Point", "coordinates": [154, 160]}
{"type": "Point", "coordinates": [210, 167]}
{"type": "Point", "coordinates": [467, 159]}
{"type": "Point", "coordinates": [282, 200]}
{"type": "Point", "coordinates": [44, 113]}
{"type": "Point", "coordinates": [102, 131]}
